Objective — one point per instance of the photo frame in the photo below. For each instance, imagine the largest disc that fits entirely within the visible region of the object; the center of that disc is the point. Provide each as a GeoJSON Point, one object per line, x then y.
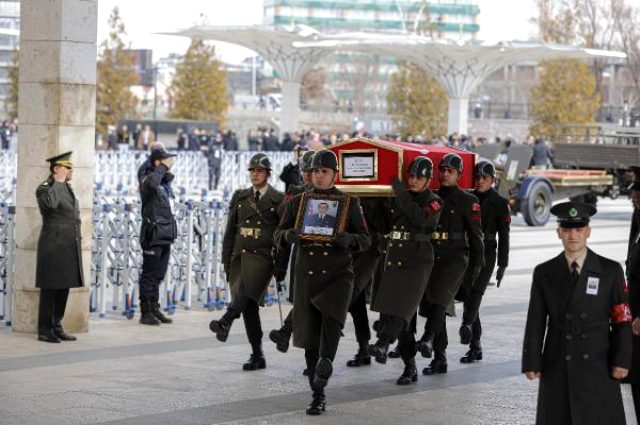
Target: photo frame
{"type": "Point", "coordinates": [358, 165]}
{"type": "Point", "coordinates": [322, 217]}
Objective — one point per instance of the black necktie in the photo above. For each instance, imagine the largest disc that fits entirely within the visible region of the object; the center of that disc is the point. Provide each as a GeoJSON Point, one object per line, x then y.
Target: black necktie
{"type": "Point", "coordinates": [574, 271]}
{"type": "Point", "coordinates": [257, 196]}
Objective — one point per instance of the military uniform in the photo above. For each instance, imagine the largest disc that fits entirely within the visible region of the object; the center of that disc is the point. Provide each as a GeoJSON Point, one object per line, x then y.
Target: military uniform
{"type": "Point", "coordinates": [250, 261]}
{"type": "Point", "coordinates": [578, 327]}
{"type": "Point", "coordinates": [496, 219]}
{"type": "Point", "coordinates": [408, 264]}
{"type": "Point", "coordinates": [59, 255]}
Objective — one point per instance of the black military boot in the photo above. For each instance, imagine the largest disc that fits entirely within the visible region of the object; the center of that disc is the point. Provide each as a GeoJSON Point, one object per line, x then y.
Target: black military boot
{"type": "Point", "coordinates": [148, 318]}
{"type": "Point", "coordinates": [437, 365]}
{"type": "Point", "coordinates": [379, 351]}
{"type": "Point", "coordinates": [323, 371]}
{"type": "Point", "coordinates": [410, 373]}
{"type": "Point", "coordinates": [466, 333]}
{"type": "Point", "coordinates": [281, 337]}
{"type": "Point", "coordinates": [318, 404]}
{"type": "Point", "coordinates": [362, 357]}
{"type": "Point", "coordinates": [222, 327]}
{"type": "Point", "coordinates": [425, 347]}
{"type": "Point", "coordinates": [157, 312]}
{"type": "Point", "coordinates": [256, 359]}
{"type": "Point", "coordinates": [474, 354]}
{"type": "Point", "coordinates": [395, 353]}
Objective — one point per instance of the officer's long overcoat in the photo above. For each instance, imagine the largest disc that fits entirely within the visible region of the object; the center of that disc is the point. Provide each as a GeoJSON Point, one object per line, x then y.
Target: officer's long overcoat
{"type": "Point", "coordinates": [59, 255]}
{"type": "Point", "coordinates": [408, 263]}
{"type": "Point", "coordinates": [633, 278]}
{"type": "Point", "coordinates": [249, 260]}
{"type": "Point", "coordinates": [366, 263]}
{"type": "Point", "coordinates": [575, 334]}
{"type": "Point", "coordinates": [324, 272]}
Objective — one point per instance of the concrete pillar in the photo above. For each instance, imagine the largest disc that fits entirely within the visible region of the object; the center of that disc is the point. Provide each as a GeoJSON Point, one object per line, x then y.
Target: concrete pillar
{"type": "Point", "coordinates": [290, 113]}
{"type": "Point", "coordinates": [57, 113]}
{"type": "Point", "coordinates": [458, 115]}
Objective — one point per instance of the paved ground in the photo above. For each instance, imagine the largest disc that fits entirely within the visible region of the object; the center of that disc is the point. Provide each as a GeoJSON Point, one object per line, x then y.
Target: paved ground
{"type": "Point", "coordinates": [124, 373]}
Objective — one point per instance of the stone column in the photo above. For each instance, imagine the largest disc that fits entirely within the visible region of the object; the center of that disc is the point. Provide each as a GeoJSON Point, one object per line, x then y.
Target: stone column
{"type": "Point", "coordinates": [57, 113]}
{"type": "Point", "coordinates": [290, 108]}
{"type": "Point", "coordinates": [458, 115]}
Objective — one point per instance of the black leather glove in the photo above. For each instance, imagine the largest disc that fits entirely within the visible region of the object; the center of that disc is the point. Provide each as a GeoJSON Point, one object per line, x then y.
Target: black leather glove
{"type": "Point", "coordinates": [292, 236]}
{"type": "Point", "coordinates": [345, 240]}
{"type": "Point", "coordinates": [279, 274]}
{"type": "Point", "coordinates": [500, 275]}
{"type": "Point", "coordinates": [397, 185]}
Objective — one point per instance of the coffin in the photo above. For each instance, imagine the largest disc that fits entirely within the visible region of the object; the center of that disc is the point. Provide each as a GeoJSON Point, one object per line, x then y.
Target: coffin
{"type": "Point", "coordinates": [367, 166]}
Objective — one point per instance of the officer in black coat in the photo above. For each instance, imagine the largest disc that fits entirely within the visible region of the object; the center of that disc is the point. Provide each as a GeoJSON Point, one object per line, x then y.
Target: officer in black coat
{"type": "Point", "coordinates": [158, 231]}
{"type": "Point", "coordinates": [58, 256]}
{"type": "Point", "coordinates": [215, 151]}
{"type": "Point", "coordinates": [496, 220]}
{"type": "Point", "coordinates": [407, 266]}
{"type": "Point", "coordinates": [291, 173]}
{"type": "Point", "coordinates": [324, 277]}
{"type": "Point", "coordinates": [248, 256]}
{"type": "Point", "coordinates": [577, 339]}
{"type": "Point", "coordinates": [282, 336]}
{"type": "Point", "coordinates": [633, 278]}
{"type": "Point", "coordinates": [457, 244]}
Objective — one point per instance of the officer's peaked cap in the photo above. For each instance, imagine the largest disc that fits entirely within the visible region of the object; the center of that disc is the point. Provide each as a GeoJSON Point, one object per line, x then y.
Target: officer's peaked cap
{"type": "Point", "coordinates": [62, 159]}
{"type": "Point", "coordinates": [573, 214]}
{"type": "Point", "coordinates": [421, 166]}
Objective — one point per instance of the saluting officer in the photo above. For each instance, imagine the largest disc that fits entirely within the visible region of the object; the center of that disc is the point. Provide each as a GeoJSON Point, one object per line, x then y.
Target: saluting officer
{"type": "Point", "coordinates": [577, 339]}
{"type": "Point", "coordinates": [457, 244]}
{"type": "Point", "coordinates": [248, 256]}
{"type": "Point", "coordinates": [59, 256]}
{"type": "Point", "coordinates": [408, 264]}
{"type": "Point", "coordinates": [633, 278]}
{"type": "Point", "coordinates": [282, 336]}
{"type": "Point", "coordinates": [496, 220]}
{"type": "Point", "coordinates": [324, 279]}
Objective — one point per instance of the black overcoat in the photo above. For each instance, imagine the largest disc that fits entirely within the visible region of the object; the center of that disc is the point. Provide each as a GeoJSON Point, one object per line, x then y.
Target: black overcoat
{"type": "Point", "coordinates": [575, 334]}
{"type": "Point", "coordinates": [59, 254]}
{"type": "Point", "coordinates": [633, 278]}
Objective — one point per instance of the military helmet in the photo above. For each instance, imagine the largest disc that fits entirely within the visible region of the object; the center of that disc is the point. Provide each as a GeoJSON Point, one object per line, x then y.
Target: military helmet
{"type": "Point", "coordinates": [451, 160]}
{"type": "Point", "coordinates": [260, 160]}
{"type": "Point", "coordinates": [484, 169]}
{"type": "Point", "coordinates": [421, 166]}
{"type": "Point", "coordinates": [325, 159]}
{"type": "Point", "coordinates": [307, 157]}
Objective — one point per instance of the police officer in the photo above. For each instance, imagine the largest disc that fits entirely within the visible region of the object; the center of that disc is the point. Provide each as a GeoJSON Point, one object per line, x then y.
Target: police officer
{"type": "Point", "coordinates": [633, 277]}
{"type": "Point", "coordinates": [157, 233]}
{"type": "Point", "coordinates": [282, 336]}
{"type": "Point", "coordinates": [408, 264]}
{"type": "Point", "coordinates": [457, 244]}
{"type": "Point", "coordinates": [578, 332]}
{"type": "Point", "coordinates": [324, 278]}
{"type": "Point", "coordinates": [496, 219]}
{"type": "Point", "coordinates": [59, 256]}
{"type": "Point", "coordinates": [248, 257]}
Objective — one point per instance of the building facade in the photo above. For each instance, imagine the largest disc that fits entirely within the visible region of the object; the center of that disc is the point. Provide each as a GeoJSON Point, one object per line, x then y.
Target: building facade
{"type": "Point", "coordinates": [9, 39]}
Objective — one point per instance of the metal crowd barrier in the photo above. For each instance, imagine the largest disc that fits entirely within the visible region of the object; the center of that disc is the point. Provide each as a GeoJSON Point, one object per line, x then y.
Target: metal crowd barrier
{"type": "Point", "coordinates": [195, 273]}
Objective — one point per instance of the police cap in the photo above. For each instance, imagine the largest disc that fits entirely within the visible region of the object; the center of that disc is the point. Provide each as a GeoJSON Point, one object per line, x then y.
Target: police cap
{"type": "Point", "coordinates": [484, 169]}
{"type": "Point", "coordinates": [421, 166]}
{"type": "Point", "coordinates": [62, 159]}
{"type": "Point", "coordinates": [573, 214]}
{"type": "Point", "coordinates": [325, 159]}
{"type": "Point", "coordinates": [307, 157]}
{"type": "Point", "coordinates": [260, 160]}
{"type": "Point", "coordinates": [451, 160]}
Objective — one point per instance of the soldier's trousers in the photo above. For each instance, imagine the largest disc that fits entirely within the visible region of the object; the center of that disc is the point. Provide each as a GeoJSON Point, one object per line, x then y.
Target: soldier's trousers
{"type": "Point", "coordinates": [214, 176]}
{"type": "Point", "coordinates": [155, 261]}
{"type": "Point", "coordinates": [436, 327]}
{"type": "Point", "coordinates": [328, 347]}
{"type": "Point", "coordinates": [635, 392]}
{"type": "Point", "coordinates": [358, 310]}
{"type": "Point", "coordinates": [250, 312]}
{"type": "Point", "coordinates": [53, 303]}
{"type": "Point", "coordinates": [471, 315]}
{"type": "Point", "coordinates": [392, 327]}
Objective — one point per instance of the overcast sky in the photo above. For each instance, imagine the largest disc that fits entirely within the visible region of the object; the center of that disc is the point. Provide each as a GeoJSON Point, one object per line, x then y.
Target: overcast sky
{"type": "Point", "coordinates": [498, 19]}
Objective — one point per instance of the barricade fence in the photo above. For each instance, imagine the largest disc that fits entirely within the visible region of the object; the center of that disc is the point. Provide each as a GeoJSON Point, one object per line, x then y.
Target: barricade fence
{"type": "Point", "coordinates": [195, 277]}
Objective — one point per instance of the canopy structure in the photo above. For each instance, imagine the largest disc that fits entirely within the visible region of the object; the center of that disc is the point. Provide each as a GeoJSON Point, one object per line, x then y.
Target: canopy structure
{"type": "Point", "coordinates": [275, 45]}
{"type": "Point", "coordinates": [459, 67]}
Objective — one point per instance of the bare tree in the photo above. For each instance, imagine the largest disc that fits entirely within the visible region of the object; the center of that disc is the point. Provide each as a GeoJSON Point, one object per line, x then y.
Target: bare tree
{"type": "Point", "coordinates": [626, 21]}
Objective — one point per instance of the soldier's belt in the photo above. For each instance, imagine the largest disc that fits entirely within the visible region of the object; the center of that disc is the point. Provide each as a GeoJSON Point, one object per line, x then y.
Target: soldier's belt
{"type": "Point", "coordinates": [406, 236]}
{"type": "Point", "coordinates": [250, 232]}
{"type": "Point", "coordinates": [446, 236]}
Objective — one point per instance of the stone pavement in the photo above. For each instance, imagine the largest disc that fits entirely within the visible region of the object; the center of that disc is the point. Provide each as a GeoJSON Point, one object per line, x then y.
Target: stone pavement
{"type": "Point", "coordinates": [124, 373]}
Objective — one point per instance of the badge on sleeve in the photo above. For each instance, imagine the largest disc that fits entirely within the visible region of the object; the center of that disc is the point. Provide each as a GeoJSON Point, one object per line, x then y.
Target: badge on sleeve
{"type": "Point", "coordinates": [592, 285]}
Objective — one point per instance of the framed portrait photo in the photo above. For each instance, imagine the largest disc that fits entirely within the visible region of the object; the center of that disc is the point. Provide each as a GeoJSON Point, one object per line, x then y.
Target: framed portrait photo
{"type": "Point", "coordinates": [322, 217]}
